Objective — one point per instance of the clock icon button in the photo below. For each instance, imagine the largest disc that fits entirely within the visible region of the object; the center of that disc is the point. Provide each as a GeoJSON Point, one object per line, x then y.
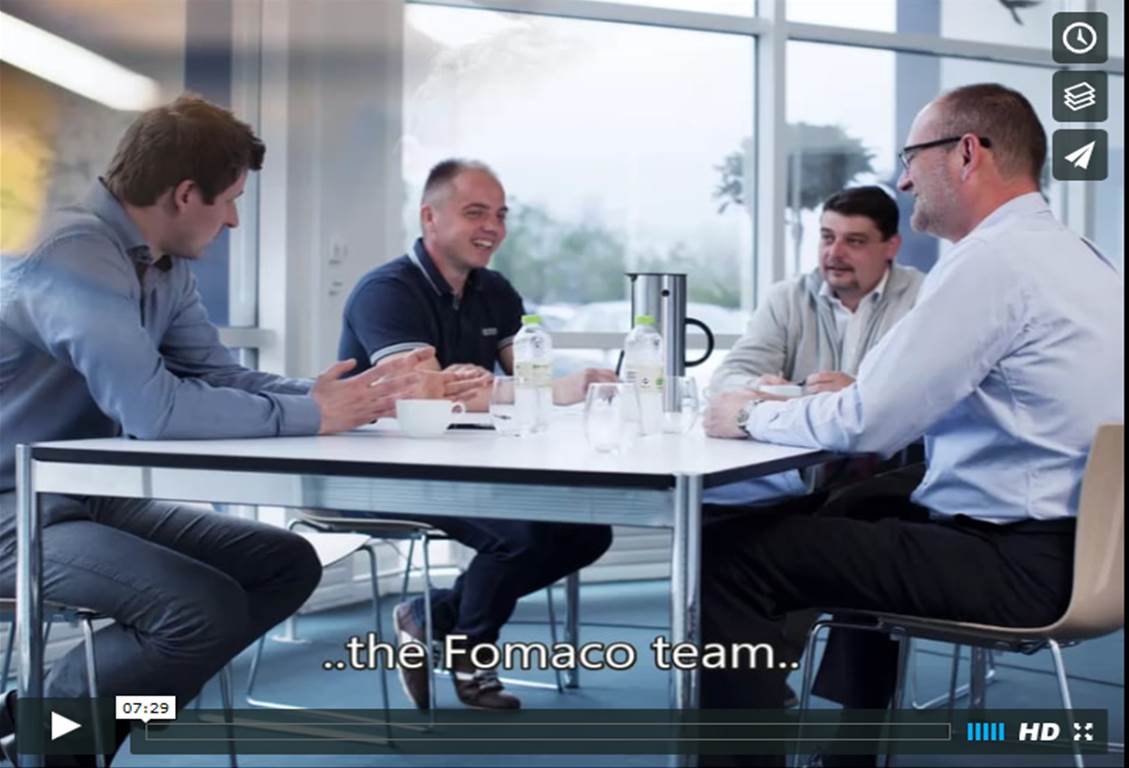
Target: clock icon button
{"type": "Point", "coordinates": [1080, 38]}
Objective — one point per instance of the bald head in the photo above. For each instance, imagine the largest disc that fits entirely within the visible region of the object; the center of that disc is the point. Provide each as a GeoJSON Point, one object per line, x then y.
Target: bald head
{"type": "Point", "coordinates": [968, 152]}
{"type": "Point", "coordinates": [1006, 117]}
{"type": "Point", "coordinates": [441, 178]}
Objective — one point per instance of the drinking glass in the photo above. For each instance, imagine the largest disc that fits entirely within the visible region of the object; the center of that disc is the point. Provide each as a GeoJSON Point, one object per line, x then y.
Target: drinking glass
{"type": "Point", "coordinates": [680, 404]}
{"type": "Point", "coordinates": [503, 407]}
{"type": "Point", "coordinates": [607, 422]}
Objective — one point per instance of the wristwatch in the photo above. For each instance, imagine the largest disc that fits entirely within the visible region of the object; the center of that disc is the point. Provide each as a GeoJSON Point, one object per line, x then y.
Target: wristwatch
{"type": "Point", "coordinates": [745, 413]}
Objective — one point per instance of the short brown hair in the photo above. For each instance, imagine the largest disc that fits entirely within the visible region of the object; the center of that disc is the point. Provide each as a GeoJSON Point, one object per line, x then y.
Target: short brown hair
{"type": "Point", "coordinates": [1003, 115]}
{"type": "Point", "coordinates": [189, 139]}
{"type": "Point", "coordinates": [445, 171]}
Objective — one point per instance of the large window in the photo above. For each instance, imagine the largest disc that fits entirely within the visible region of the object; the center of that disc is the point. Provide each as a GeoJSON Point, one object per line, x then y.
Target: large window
{"type": "Point", "coordinates": [631, 141]}
{"type": "Point", "coordinates": [613, 142]}
{"type": "Point", "coordinates": [841, 131]}
{"type": "Point", "coordinates": [846, 131]}
{"type": "Point", "coordinates": [617, 156]}
{"type": "Point", "coordinates": [878, 15]}
{"type": "Point", "coordinates": [998, 22]}
{"type": "Point", "coordinates": [687, 135]}
{"type": "Point", "coordinates": [731, 7]}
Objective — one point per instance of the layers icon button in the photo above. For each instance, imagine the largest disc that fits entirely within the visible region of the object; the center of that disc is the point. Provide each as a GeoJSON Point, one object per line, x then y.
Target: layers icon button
{"type": "Point", "coordinates": [1081, 96]}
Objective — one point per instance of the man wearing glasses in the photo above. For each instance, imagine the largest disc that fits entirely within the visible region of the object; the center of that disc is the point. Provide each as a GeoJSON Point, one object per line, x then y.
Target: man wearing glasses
{"type": "Point", "coordinates": [1007, 364]}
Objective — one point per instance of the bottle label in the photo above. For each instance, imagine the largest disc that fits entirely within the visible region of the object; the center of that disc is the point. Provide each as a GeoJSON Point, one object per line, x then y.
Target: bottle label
{"type": "Point", "coordinates": [649, 378]}
{"type": "Point", "coordinates": [533, 373]}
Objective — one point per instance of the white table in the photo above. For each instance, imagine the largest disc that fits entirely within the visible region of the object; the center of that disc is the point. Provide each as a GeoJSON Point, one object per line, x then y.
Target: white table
{"type": "Point", "coordinates": [554, 476]}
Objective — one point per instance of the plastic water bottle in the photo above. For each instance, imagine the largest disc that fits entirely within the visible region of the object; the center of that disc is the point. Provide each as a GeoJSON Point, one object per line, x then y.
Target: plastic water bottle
{"type": "Point", "coordinates": [643, 367]}
{"type": "Point", "coordinates": [533, 371]}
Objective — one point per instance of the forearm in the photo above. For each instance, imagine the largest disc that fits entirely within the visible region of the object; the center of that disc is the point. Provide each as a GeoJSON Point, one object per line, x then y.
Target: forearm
{"type": "Point", "coordinates": [760, 352]}
{"type": "Point", "coordinates": [431, 364]}
{"type": "Point", "coordinates": [239, 377]}
{"type": "Point", "coordinates": [200, 412]}
{"type": "Point", "coordinates": [920, 371]}
{"type": "Point", "coordinates": [731, 377]}
{"type": "Point", "coordinates": [192, 349]}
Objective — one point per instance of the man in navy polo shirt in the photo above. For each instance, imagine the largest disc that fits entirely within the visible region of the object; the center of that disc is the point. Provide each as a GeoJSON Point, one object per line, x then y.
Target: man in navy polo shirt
{"type": "Point", "coordinates": [442, 295]}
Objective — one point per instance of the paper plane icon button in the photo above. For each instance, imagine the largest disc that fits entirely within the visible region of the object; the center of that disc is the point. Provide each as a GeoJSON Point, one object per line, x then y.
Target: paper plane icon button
{"type": "Point", "coordinates": [1080, 155]}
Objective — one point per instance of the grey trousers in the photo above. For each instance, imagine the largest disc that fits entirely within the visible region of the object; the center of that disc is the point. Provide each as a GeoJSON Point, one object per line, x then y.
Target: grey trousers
{"type": "Point", "coordinates": [188, 588]}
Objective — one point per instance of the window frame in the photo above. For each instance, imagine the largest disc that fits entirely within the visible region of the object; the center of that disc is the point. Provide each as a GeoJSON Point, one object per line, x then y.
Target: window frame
{"type": "Point", "coordinates": [769, 31]}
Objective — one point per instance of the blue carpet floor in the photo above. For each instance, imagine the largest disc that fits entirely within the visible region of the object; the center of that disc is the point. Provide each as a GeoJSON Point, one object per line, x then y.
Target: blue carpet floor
{"type": "Point", "coordinates": [636, 613]}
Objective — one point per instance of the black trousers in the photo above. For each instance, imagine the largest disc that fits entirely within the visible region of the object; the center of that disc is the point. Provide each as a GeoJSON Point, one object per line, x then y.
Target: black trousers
{"type": "Point", "coordinates": [187, 588]}
{"type": "Point", "coordinates": [513, 558]}
{"type": "Point", "coordinates": [845, 494]}
{"type": "Point", "coordinates": [879, 552]}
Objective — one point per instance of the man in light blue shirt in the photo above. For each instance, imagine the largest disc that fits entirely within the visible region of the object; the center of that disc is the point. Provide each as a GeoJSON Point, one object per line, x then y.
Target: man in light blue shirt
{"type": "Point", "coordinates": [1007, 364]}
{"type": "Point", "coordinates": [102, 333]}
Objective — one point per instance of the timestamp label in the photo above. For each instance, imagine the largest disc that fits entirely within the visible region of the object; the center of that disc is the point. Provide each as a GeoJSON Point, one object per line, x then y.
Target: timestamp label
{"type": "Point", "coordinates": [145, 708]}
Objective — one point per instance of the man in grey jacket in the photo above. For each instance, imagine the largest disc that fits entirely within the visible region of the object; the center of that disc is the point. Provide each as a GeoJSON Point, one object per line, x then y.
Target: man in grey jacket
{"type": "Point", "coordinates": [814, 330]}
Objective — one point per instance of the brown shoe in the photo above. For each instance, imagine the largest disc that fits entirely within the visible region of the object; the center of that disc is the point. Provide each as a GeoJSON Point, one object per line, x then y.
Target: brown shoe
{"type": "Point", "coordinates": [415, 682]}
{"type": "Point", "coordinates": [481, 688]}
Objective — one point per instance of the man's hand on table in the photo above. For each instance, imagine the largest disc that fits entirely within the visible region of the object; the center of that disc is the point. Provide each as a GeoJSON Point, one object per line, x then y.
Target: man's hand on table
{"type": "Point", "coordinates": [827, 381]}
{"type": "Point", "coordinates": [770, 379]}
{"type": "Point", "coordinates": [347, 403]}
{"type": "Point", "coordinates": [823, 381]}
{"type": "Point", "coordinates": [466, 381]}
{"type": "Point", "coordinates": [720, 419]}
{"type": "Point", "coordinates": [574, 387]}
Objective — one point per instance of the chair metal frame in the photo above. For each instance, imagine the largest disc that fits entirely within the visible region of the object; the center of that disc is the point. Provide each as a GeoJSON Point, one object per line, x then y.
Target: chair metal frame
{"type": "Point", "coordinates": [72, 615]}
{"type": "Point", "coordinates": [368, 548]}
{"type": "Point", "coordinates": [990, 675]}
{"type": "Point", "coordinates": [384, 530]}
{"type": "Point", "coordinates": [1096, 607]}
{"type": "Point", "coordinates": [85, 618]}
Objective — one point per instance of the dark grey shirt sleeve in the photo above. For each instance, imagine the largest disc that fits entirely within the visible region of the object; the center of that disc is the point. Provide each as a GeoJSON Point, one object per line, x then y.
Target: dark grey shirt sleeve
{"type": "Point", "coordinates": [79, 298]}
{"type": "Point", "coordinates": [191, 348]}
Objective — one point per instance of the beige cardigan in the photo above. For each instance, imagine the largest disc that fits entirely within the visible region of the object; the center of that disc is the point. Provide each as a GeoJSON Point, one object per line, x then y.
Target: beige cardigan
{"type": "Point", "coordinates": [793, 330]}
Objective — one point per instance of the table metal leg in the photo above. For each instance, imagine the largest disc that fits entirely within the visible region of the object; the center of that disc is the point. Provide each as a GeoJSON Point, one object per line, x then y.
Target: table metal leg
{"type": "Point", "coordinates": [685, 569]}
{"type": "Point", "coordinates": [572, 624]}
{"type": "Point", "coordinates": [29, 592]}
{"type": "Point", "coordinates": [685, 572]}
{"type": "Point", "coordinates": [978, 669]}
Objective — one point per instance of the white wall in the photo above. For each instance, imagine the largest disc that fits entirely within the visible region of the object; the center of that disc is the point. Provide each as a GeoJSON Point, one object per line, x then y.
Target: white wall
{"type": "Point", "coordinates": [331, 186]}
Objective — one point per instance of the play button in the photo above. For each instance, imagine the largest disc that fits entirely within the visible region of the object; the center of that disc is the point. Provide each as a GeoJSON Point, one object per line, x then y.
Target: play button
{"type": "Point", "coordinates": [61, 726]}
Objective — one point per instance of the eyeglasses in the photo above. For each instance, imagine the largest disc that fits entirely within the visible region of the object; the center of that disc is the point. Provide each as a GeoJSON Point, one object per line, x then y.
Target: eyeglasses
{"type": "Point", "coordinates": [907, 154]}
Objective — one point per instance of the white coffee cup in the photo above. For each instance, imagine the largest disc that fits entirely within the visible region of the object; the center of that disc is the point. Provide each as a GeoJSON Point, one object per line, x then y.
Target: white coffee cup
{"type": "Point", "coordinates": [426, 418]}
{"type": "Point", "coordinates": [782, 390]}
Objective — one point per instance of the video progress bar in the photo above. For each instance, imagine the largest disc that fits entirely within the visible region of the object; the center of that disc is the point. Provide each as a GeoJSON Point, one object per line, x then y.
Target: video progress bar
{"type": "Point", "coordinates": [323, 731]}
